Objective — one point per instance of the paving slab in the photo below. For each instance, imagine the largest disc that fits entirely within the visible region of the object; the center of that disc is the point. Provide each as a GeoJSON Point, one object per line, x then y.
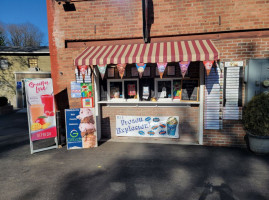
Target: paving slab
{"type": "Point", "coordinates": [121, 170]}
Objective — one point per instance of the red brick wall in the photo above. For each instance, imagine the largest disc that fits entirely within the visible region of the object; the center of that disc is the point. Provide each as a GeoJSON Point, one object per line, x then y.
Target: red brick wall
{"type": "Point", "coordinates": [115, 19]}
{"type": "Point", "coordinates": [123, 19]}
{"type": "Point", "coordinates": [188, 119]}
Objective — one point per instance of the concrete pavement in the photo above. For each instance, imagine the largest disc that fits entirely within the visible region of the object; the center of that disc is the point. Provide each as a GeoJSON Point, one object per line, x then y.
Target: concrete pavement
{"type": "Point", "coordinates": [116, 171]}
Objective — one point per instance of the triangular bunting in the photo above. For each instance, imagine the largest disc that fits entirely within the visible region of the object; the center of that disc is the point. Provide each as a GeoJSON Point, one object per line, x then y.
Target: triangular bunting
{"type": "Point", "coordinates": [208, 65]}
{"type": "Point", "coordinates": [161, 68]}
{"type": "Point", "coordinates": [140, 68]}
{"type": "Point", "coordinates": [121, 69]}
{"type": "Point", "coordinates": [82, 70]}
{"type": "Point", "coordinates": [184, 65]}
{"type": "Point", "coordinates": [102, 70]}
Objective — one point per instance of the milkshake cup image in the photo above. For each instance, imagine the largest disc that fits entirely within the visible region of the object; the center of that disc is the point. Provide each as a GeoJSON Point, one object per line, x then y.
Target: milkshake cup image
{"type": "Point", "coordinates": [171, 126]}
{"type": "Point", "coordinates": [36, 111]}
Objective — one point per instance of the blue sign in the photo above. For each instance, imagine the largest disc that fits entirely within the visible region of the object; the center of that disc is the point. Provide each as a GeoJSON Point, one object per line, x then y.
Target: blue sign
{"type": "Point", "coordinates": [19, 84]}
{"type": "Point", "coordinates": [73, 136]}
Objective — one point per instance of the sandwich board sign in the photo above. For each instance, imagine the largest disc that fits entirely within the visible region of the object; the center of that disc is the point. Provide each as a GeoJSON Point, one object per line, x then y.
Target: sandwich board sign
{"type": "Point", "coordinates": [40, 111]}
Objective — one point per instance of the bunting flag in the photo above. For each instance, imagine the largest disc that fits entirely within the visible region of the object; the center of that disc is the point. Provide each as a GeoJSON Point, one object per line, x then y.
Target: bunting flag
{"type": "Point", "coordinates": [121, 69]}
{"type": "Point", "coordinates": [184, 65]}
{"type": "Point", "coordinates": [82, 70]}
{"type": "Point", "coordinates": [102, 70]}
{"type": "Point", "coordinates": [208, 65]}
{"type": "Point", "coordinates": [161, 68]}
{"type": "Point", "coordinates": [140, 68]}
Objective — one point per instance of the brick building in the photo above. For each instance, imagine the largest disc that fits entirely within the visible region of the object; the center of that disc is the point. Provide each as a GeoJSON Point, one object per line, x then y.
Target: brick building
{"type": "Point", "coordinates": [233, 34]}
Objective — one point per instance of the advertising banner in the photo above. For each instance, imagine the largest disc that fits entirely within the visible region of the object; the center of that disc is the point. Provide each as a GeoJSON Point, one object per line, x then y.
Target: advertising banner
{"type": "Point", "coordinates": [86, 90]}
{"type": "Point", "coordinates": [40, 108]}
{"type": "Point", "coordinates": [80, 128]}
{"type": "Point", "coordinates": [147, 126]}
{"type": "Point", "coordinates": [75, 90]}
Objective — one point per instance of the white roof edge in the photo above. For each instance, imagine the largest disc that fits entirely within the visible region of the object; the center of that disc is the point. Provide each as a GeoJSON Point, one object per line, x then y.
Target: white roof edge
{"type": "Point", "coordinates": [24, 52]}
{"type": "Point", "coordinates": [38, 72]}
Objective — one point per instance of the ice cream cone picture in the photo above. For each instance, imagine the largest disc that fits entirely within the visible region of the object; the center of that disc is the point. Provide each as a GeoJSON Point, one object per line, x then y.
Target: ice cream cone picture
{"type": "Point", "coordinates": [82, 69]}
{"type": "Point", "coordinates": [102, 70]}
{"type": "Point", "coordinates": [161, 68]}
{"type": "Point", "coordinates": [140, 68]}
{"type": "Point", "coordinates": [87, 128]}
{"type": "Point", "coordinates": [121, 69]}
{"type": "Point", "coordinates": [208, 65]}
{"type": "Point", "coordinates": [184, 65]}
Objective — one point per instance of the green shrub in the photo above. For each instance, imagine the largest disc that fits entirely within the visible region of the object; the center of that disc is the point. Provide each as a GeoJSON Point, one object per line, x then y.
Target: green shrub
{"type": "Point", "coordinates": [256, 115]}
{"type": "Point", "coordinates": [3, 101]}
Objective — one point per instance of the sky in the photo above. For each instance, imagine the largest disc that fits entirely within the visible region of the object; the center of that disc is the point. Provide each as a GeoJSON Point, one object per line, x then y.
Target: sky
{"type": "Point", "coordinates": [26, 11]}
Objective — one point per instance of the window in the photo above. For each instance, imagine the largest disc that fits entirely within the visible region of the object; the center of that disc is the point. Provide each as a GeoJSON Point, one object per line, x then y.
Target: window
{"type": "Point", "coordinates": [123, 89]}
{"type": "Point", "coordinates": [4, 64]}
{"type": "Point", "coordinates": [176, 89]}
{"type": "Point", "coordinates": [164, 89]}
{"type": "Point", "coordinates": [150, 87]}
{"type": "Point", "coordinates": [32, 62]}
{"type": "Point", "coordinates": [115, 90]}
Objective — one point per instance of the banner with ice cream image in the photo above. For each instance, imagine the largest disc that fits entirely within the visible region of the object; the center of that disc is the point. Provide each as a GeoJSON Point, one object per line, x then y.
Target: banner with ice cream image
{"type": "Point", "coordinates": [208, 65]}
{"type": "Point", "coordinates": [80, 128]}
{"type": "Point", "coordinates": [41, 109]}
{"type": "Point", "coordinates": [184, 65]}
{"type": "Point", "coordinates": [161, 68]}
{"type": "Point", "coordinates": [121, 69]}
{"type": "Point", "coordinates": [140, 68]}
{"type": "Point", "coordinates": [147, 126]}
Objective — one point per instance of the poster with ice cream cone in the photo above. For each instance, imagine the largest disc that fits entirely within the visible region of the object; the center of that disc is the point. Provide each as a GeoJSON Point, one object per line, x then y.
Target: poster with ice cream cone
{"type": "Point", "coordinates": [41, 109]}
{"type": "Point", "coordinates": [147, 126]}
{"type": "Point", "coordinates": [80, 128]}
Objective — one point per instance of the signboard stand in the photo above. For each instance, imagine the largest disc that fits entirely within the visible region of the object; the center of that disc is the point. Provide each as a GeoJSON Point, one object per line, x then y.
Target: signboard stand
{"type": "Point", "coordinates": [40, 112]}
{"type": "Point", "coordinates": [31, 142]}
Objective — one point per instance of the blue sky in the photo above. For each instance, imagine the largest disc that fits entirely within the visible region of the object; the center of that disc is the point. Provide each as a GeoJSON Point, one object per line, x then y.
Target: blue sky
{"type": "Point", "coordinates": [26, 11]}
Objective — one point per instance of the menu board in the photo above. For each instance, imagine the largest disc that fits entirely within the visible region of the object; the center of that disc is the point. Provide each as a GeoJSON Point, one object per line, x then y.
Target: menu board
{"type": "Point", "coordinates": [190, 89]}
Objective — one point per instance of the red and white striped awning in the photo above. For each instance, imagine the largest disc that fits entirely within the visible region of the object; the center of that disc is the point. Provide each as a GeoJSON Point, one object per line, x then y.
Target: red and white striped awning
{"type": "Point", "coordinates": [194, 50]}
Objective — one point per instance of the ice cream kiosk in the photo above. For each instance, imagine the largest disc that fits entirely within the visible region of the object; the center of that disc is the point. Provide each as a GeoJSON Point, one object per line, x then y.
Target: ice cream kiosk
{"type": "Point", "coordinates": [152, 92]}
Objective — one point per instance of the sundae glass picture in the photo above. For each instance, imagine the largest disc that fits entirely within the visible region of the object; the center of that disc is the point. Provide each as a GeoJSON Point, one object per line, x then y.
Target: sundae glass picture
{"type": "Point", "coordinates": [171, 126]}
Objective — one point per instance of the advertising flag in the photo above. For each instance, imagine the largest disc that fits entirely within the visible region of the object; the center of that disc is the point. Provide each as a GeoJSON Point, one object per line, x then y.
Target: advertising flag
{"type": "Point", "coordinates": [140, 68]}
{"type": "Point", "coordinates": [121, 69]}
{"type": "Point", "coordinates": [208, 65]}
{"type": "Point", "coordinates": [184, 65]}
{"type": "Point", "coordinates": [82, 70]}
{"type": "Point", "coordinates": [161, 68]}
{"type": "Point", "coordinates": [102, 70]}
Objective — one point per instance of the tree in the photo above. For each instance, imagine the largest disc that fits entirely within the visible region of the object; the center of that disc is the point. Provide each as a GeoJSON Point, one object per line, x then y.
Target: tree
{"type": "Point", "coordinates": [24, 35]}
{"type": "Point", "coordinates": [2, 39]}
{"type": "Point", "coordinates": [2, 35]}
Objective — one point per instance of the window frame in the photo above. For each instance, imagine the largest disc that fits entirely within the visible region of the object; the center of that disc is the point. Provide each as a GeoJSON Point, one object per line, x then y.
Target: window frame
{"type": "Point", "coordinates": [123, 90]}
{"type": "Point", "coordinates": [29, 62]}
{"type": "Point", "coordinates": [156, 88]}
{"type": "Point", "coordinates": [4, 63]}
